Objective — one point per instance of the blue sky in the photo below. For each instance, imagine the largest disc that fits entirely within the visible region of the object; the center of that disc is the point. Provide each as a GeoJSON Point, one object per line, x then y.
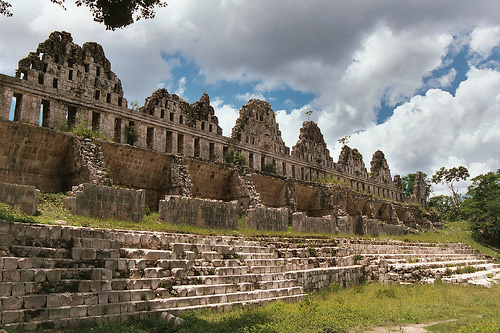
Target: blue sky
{"type": "Point", "coordinates": [418, 80]}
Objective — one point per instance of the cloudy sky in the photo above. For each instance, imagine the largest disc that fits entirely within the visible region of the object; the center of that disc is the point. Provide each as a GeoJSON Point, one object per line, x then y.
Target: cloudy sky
{"type": "Point", "coordinates": [419, 80]}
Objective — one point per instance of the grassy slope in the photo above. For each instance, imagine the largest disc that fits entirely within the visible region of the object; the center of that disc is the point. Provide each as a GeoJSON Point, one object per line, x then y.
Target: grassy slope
{"type": "Point", "coordinates": [335, 310]}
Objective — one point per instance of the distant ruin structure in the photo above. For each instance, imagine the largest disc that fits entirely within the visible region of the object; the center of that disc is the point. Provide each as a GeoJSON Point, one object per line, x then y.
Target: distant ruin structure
{"type": "Point", "coordinates": [171, 147]}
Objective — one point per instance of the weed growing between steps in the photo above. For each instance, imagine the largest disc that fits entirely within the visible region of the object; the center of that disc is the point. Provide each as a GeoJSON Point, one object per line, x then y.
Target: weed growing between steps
{"type": "Point", "coordinates": [473, 309]}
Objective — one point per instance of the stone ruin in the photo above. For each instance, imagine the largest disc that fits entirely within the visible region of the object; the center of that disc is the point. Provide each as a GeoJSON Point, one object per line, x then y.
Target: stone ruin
{"type": "Point", "coordinates": [171, 147]}
{"type": "Point", "coordinates": [170, 155]}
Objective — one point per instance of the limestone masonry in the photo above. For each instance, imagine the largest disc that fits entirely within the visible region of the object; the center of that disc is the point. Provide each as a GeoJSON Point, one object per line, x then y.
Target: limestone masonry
{"type": "Point", "coordinates": [170, 147]}
{"type": "Point", "coordinates": [171, 156]}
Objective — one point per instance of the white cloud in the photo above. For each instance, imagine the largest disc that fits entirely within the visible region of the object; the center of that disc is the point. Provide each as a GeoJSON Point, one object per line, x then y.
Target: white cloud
{"type": "Point", "coordinates": [439, 129]}
{"type": "Point", "coordinates": [227, 115]}
{"type": "Point", "coordinates": [444, 81]}
{"type": "Point", "coordinates": [483, 40]}
{"type": "Point", "coordinates": [181, 87]}
{"type": "Point", "coordinates": [248, 96]}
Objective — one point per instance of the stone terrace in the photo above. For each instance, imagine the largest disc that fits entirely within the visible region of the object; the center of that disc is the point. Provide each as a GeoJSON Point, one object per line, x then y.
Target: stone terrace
{"type": "Point", "coordinates": [59, 276]}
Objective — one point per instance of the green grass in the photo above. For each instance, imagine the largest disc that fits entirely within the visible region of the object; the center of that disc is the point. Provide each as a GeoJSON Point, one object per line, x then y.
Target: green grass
{"type": "Point", "coordinates": [51, 209]}
{"type": "Point", "coordinates": [340, 310]}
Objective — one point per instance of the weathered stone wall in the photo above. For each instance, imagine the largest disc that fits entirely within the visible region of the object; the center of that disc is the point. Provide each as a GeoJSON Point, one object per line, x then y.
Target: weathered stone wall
{"type": "Point", "coordinates": [272, 191]}
{"type": "Point", "coordinates": [263, 218]}
{"type": "Point", "coordinates": [36, 156]}
{"type": "Point", "coordinates": [141, 169]}
{"type": "Point", "coordinates": [303, 223]}
{"type": "Point", "coordinates": [23, 197]}
{"type": "Point", "coordinates": [213, 181]}
{"type": "Point", "coordinates": [106, 202]}
{"type": "Point", "coordinates": [311, 146]}
{"type": "Point", "coordinates": [200, 212]}
{"type": "Point", "coordinates": [317, 279]}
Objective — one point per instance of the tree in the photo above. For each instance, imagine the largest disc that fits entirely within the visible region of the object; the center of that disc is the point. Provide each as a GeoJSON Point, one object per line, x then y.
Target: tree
{"type": "Point", "coordinates": [113, 14]}
{"type": "Point", "coordinates": [481, 207]}
{"type": "Point", "coordinates": [408, 182]}
{"type": "Point", "coordinates": [344, 140]}
{"type": "Point", "coordinates": [308, 114]}
{"type": "Point", "coordinates": [444, 205]}
{"type": "Point", "coordinates": [449, 177]}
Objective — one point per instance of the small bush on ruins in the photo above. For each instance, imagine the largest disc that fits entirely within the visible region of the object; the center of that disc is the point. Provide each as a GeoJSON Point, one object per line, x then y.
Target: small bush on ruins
{"type": "Point", "coordinates": [270, 168]}
{"type": "Point", "coordinates": [132, 134]}
{"type": "Point", "coordinates": [84, 130]}
{"type": "Point", "coordinates": [236, 157]}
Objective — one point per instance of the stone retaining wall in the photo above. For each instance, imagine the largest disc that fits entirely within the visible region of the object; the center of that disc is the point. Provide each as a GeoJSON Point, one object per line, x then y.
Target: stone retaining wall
{"type": "Point", "coordinates": [264, 218]}
{"type": "Point", "coordinates": [22, 196]}
{"type": "Point", "coordinates": [316, 279]}
{"type": "Point", "coordinates": [199, 212]}
{"type": "Point", "coordinates": [107, 202]}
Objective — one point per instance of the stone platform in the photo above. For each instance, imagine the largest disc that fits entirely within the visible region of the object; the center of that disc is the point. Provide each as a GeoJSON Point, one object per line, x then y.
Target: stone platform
{"type": "Point", "coordinates": [60, 276]}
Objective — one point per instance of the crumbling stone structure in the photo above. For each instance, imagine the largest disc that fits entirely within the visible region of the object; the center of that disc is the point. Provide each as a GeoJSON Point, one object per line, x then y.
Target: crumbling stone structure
{"type": "Point", "coordinates": [171, 147]}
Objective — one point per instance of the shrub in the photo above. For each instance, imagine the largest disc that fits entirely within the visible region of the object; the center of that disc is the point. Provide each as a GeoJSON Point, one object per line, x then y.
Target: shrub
{"type": "Point", "coordinates": [10, 214]}
{"type": "Point", "coordinates": [132, 134]}
{"type": "Point", "coordinates": [270, 168]}
{"type": "Point", "coordinates": [236, 157]}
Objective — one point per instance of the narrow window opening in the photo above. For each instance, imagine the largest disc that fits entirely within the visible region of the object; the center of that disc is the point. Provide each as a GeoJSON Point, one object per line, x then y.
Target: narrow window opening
{"type": "Point", "coordinates": [97, 94]}
{"type": "Point", "coordinates": [87, 68]}
{"type": "Point", "coordinates": [211, 154]}
{"type": "Point", "coordinates": [180, 143]}
{"type": "Point", "coordinates": [162, 113]}
{"type": "Point", "coordinates": [202, 125]}
{"type": "Point", "coordinates": [262, 162]}
{"type": "Point", "coordinates": [225, 152]}
{"type": "Point", "coordinates": [120, 101]}
{"type": "Point", "coordinates": [210, 128]}
{"type": "Point", "coordinates": [118, 130]}
{"type": "Point", "coordinates": [109, 75]}
{"type": "Point", "coordinates": [196, 147]}
{"type": "Point", "coordinates": [293, 171]}
{"type": "Point", "coordinates": [108, 98]}
{"type": "Point", "coordinates": [98, 71]}
{"type": "Point", "coordinates": [181, 119]}
{"type": "Point", "coordinates": [130, 139]}
{"type": "Point", "coordinates": [250, 160]}
{"type": "Point", "coordinates": [44, 113]}
{"type": "Point", "coordinates": [168, 146]}
{"type": "Point", "coordinates": [44, 68]}
{"type": "Point", "coordinates": [15, 107]}
{"type": "Point", "coordinates": [150, 137]}
{"type": "Point", "coordinates": [171, 116]}
{"type": "Point", "coordinates": [71, 116]}
{"type": "Point", "coordinates": [56, 58]}
{"type": "Point", "coordinates": [40, 78]}
{"type": "Point", "coordinates": [283, 166]}
{"type": "Point", "coordinates": [96, 121]}
{"type": "Point", "coordinates": [54, 83]}
{"type": "Point", "coordinates": [70, 75]}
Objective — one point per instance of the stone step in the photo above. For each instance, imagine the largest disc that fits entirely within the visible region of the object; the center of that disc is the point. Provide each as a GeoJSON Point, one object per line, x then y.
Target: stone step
{"type": "Point", "coordinates": [38, 252]}
{"type": "Point", "coordinates": [473, 277]}
{"type": "Point", "coordinates": [267, 269]}
{"type": "Point", "coordinates": [245, 255]}
{"type": "Point", "coordinates": [150, 255]}
{"type": "Point", "coordinates": [253, 249]}
{"type": "Point", "coordinates": [436, 264]}
{"type": "Point", "coordinates": [277, 284]}
{"type": "Point", "coordinates": [406, 256]}
{"type": "Point", "coordinates": [200, 290]}
{"type": "Point", "coordinates": [54, 274]}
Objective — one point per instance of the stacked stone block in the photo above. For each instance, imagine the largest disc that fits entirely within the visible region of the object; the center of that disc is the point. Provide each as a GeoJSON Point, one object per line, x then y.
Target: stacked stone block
{"type": "Point", "coordinates": [20, 196]}
{"type": "Point", "coordinates": [199, 212]}
{"type": "Point", "coordinates": [106, 202]}
{"type": "Point", "coordinates": [264, 218]}
{"type": "Point", "coordinates": [303, 223]}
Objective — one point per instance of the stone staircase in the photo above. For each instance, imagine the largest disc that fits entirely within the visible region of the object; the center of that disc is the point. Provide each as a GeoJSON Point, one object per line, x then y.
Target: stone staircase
{"type": "Point", "coordinates": [400, 262]}
{"type": "Point", "coordinates": [59, 276]}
